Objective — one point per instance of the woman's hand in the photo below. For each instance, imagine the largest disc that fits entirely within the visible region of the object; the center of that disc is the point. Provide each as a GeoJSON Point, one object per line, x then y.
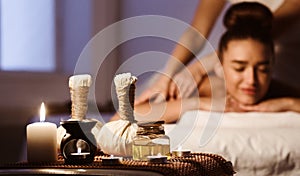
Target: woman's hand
{"type": "Point", "coordinates": [232, 105]}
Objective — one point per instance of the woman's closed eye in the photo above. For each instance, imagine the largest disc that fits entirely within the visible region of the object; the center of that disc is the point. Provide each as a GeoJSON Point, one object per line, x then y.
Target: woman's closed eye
{"type": "Point", "coordinates": [264, 68]}
{"type": "Point", "coordinates": [239, 68]}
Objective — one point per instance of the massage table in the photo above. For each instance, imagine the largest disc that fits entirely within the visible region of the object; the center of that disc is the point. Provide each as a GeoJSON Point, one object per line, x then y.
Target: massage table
{"type": "Point", "coordinates": [255, 143]}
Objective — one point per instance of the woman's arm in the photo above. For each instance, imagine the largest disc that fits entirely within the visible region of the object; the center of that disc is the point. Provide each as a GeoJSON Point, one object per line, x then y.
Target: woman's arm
{"type": "Point", "coordinates": [294, 105]}
{"type": "Point", "coordinates": [169, 111]}
{"type": "Point", "coordinates": [275, 105]}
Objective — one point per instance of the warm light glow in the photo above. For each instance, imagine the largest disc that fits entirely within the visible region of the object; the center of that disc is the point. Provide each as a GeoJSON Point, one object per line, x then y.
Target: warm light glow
{"type": "Point", "coordinates": [79, 150]}
{"type": "Point", "coordinates": [159, 154]}
{"type": "Point", "coordinates": [179, 148]}
{"type": "Point", "coordinates": [111, 156]}
{"type": "Point", "coordinates": [42, 112]}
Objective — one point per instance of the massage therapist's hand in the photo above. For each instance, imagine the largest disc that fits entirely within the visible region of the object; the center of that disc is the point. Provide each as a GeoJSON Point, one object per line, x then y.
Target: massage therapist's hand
{"type": "Point", "coordinates": [274, 105]}
{"type": "Point", "coordinates": [158, 92]}
{"type": "Point", "coordinates": [185, 83]}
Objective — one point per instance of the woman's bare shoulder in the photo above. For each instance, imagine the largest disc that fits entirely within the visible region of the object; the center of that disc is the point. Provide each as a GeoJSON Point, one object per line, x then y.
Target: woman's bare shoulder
{"type": "Point", "coordinates": [212, 84]}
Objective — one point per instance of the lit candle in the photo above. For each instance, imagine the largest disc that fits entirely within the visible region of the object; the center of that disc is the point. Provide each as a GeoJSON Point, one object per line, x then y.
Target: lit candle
{"type": "Point", "coordinates": [181, 152]}
{"type": "Point", "coordinates": [41, 140]}
{"type": "Point", "coordinates": [79, 154]}
{"type": "Point", "coordinates": [157, 159]}
{"type": "Point", "coordinates": [112, 160]}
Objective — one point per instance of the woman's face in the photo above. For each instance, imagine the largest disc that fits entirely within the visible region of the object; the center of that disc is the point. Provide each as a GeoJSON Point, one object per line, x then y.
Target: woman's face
{"type": "Point", "coordinates": [247, 70]}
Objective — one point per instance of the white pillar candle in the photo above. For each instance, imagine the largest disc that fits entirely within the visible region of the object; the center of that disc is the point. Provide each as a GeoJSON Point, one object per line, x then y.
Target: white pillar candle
{"type": "Point", "coordinates": [41, 140]}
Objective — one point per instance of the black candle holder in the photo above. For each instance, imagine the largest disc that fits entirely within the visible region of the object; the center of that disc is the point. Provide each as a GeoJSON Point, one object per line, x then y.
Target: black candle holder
{"type": "Point", "coordinates": [79, 145]}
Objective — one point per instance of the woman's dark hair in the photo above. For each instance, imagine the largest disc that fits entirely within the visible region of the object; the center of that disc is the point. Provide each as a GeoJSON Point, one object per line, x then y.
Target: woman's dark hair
{"type": "Point", "coordinates": [247, 20]}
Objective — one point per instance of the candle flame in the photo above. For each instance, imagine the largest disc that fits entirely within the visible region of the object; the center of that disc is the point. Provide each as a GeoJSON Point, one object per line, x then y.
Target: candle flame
{"type": "Point", "coordinates": [42, 112]}
{"type": "Point", "coordinates": [79, 150]}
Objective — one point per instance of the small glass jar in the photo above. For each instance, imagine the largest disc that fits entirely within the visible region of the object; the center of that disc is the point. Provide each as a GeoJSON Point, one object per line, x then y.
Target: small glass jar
{"type": "Point", "coordinates": [150, 140]}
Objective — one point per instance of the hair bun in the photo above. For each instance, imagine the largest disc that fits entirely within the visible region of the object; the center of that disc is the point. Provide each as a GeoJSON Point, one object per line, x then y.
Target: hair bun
{"type": "Point", "coordinates": [248, 15]}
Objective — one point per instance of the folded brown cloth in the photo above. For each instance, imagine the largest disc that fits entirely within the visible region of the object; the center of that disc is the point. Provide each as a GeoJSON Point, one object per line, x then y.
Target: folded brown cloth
{"type": "Point", "coordinates": [201, 164]}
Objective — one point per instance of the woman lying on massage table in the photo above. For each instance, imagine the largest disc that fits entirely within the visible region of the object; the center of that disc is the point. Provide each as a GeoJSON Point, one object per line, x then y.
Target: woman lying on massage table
{"type": "Point", "coordinates": [246, 54]}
